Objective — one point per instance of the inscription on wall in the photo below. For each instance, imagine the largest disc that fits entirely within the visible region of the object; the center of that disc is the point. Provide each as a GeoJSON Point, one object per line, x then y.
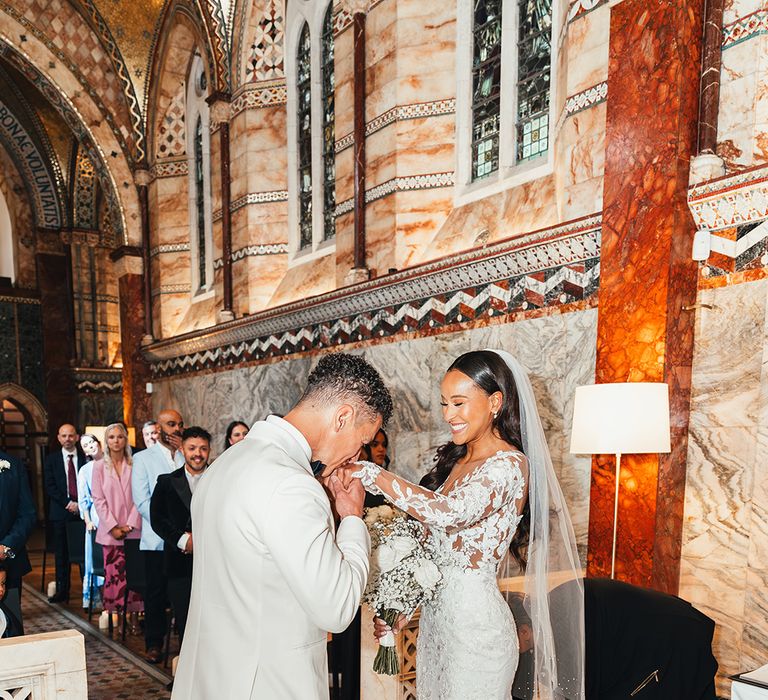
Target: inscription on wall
{"type": "Point", "coordinates": [35, 170]}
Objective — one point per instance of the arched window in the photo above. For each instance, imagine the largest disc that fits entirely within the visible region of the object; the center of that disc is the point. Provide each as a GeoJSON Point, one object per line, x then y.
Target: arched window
{"type": "Point", "coordinates": [329, 124]}
{"type": "Point", "coordinates": [199, 162]}
{"type": "Point", "coordinates": [311, 127]}
{"type": "Point", "coordinates": [486, 87]}
{"type": "Point", "coordinates": [503, 103]}
{"type": "Point", "coordinates": [534, 56]}
{"type": "Point", "coordinates": [304, 91]}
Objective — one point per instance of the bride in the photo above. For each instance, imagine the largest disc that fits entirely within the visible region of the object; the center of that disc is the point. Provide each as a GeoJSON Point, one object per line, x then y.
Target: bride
{"type": "Point", "coordinates": [492, 499]}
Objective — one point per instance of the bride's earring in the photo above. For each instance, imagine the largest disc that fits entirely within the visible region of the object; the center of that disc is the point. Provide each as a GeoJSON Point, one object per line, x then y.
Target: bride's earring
{"type": "Point", "coordinates": [495, 415]}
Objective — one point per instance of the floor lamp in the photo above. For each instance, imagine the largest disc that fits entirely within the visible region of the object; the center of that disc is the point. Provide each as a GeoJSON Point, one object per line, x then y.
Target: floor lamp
{"type": "Point", "coordinates": [620, 418]}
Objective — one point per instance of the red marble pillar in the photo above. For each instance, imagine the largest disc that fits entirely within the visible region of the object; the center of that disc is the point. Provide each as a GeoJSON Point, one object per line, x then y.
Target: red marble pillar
{"type": "Point", "coordinates": [136, 371]}
{"type": "Point", "coordinates": [647, 275]}
{"type": "Point", "coordinates": [53, 275]}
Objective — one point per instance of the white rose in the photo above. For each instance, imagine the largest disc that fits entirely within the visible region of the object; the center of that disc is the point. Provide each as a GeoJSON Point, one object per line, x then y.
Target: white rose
{"type": "Point", "coordinates": [390, 553]}
{"type": "Point", "coordinates": [427, 574]}
{"type": "Point", "coordinates": [4, 464]}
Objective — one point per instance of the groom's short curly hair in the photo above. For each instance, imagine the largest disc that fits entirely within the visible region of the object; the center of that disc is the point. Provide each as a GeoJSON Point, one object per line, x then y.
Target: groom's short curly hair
{"type": "Point", "coordinates": [342, 376]}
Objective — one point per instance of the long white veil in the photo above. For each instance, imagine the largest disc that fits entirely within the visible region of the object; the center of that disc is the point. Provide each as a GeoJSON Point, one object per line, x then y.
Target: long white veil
{"type": "Point", "coordinates": [554, 592]}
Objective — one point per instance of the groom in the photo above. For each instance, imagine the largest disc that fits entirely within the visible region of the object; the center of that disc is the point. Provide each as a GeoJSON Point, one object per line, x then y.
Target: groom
{"type": "Point", "coordinates": [270, 575]}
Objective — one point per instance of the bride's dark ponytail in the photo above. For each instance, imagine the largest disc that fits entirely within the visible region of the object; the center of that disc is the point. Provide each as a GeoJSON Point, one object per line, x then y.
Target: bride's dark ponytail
{"type": "Point", "coordinates": [491, 374]}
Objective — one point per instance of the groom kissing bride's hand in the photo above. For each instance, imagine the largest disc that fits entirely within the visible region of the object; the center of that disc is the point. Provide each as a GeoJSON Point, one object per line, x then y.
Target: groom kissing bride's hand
{"type": "Point", "coordinates": [347, 493]}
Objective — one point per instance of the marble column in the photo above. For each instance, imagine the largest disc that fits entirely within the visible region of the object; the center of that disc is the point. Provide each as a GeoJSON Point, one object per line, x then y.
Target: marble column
{"type": "Point", "coordinates": [142, 179]}
{"type": "Point", "coordinates": [136, 371]}
{"type": "Point", "coordinates": [647, 276]}
{"type": "Point", "coordinates": [54, 282]}
{"type": "Point", "coordinates": [220, 115]}
{"type": "Point", "coordinates": [359, 271]}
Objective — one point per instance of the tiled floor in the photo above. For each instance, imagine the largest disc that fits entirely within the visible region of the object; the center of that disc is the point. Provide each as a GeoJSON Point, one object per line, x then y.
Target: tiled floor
{"type": "Point", "coordinates": [116, 670]}
{"type": "Point", "coordinates": [112, 675]}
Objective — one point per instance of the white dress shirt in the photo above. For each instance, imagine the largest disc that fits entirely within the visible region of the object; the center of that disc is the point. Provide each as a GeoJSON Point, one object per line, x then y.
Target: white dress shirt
{"type": "Point", "coordinates": [193, 480]}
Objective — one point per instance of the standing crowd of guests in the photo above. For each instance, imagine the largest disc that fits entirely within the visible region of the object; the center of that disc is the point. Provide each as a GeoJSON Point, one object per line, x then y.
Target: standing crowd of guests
{"type": "Point", "coordinates": [113, 500]}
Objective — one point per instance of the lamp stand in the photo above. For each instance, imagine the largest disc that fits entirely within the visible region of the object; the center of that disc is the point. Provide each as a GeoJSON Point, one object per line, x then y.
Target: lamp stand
{"type": "Point", "coordinates": [615, 514]}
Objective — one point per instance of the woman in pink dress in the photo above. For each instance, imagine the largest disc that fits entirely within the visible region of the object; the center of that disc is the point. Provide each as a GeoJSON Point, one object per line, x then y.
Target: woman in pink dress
{"type": "Point", "coordinates": [118, 518]}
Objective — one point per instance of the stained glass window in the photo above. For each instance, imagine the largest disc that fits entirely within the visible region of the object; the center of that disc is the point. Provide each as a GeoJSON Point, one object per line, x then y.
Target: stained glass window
{"type": "Point", "coordinates": [200, 203]}
{"type": "Point", "coordinates": [486, 87]}
{"type": "Point", "coordinates": [329, 130]}
{"type": "Point", "coordinates": [304, 90]}
{"type": "Point", "coordinates": [534, 50]}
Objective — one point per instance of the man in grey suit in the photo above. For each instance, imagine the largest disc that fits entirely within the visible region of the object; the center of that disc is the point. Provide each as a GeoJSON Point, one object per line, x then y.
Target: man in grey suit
{"type": "Point", "coordinates": [163, 457]}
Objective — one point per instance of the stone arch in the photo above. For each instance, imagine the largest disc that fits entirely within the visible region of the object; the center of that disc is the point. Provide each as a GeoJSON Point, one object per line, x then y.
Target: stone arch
{"type": "Point", "coordinates": [258, 51]}
{"type": "Point", "coordinates": [83, 115]}
{"type": "Point", "coordinates": [182, 29]}
{"type": "Point", "coordinates": [27, 401]}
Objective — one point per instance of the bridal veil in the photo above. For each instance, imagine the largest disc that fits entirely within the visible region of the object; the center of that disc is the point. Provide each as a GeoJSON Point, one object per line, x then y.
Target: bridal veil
{"type": "Point", "coordinates": [554, 592]}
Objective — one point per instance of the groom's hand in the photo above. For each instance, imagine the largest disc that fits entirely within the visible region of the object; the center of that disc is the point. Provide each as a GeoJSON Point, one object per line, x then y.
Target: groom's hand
{"type": "Point", "coordinates": [348, 498]}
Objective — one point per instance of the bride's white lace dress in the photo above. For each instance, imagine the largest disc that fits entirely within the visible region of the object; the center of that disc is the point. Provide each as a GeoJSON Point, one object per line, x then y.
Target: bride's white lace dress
{"type": "Point", "coordinates": [467, 646]}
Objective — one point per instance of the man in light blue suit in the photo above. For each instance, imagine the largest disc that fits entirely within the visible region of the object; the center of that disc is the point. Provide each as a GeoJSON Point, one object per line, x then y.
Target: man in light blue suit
{"type": "Point", "coordinates": [163, 457]}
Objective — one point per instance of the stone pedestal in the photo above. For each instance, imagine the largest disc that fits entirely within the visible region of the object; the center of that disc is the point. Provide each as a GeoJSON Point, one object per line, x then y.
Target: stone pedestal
{"type": "Point", "coordinates": [50, 665]}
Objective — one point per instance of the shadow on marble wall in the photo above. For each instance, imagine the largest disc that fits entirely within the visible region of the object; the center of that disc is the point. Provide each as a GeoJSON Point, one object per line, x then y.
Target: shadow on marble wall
{"type": "Point", "coordinates": [725, 531]}
{"type": "Point", "coordinates": [558, 350]}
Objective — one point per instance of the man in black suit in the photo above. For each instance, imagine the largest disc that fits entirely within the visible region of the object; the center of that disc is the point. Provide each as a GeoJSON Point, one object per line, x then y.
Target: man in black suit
{"type": "Point", "coordinates": [61, 469]}
{"type": "Point", "coordinates": [171, 519]}
{"type": "Point", "coordinates": [17, 518]}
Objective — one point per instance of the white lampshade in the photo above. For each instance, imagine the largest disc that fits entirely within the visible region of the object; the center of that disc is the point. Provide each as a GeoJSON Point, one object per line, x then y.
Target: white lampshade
{"type": "Point", "coordinates": [621, 418]}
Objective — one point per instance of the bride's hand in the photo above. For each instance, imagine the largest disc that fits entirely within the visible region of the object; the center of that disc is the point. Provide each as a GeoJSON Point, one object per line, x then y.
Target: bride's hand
{"type": "Point", "coordinates": [345, 473]}
{"type": "Point", "coordinates": [380, 628]}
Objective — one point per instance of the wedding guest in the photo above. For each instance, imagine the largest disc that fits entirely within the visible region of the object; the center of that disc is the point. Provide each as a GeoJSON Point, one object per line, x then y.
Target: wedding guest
{"type": "Point", "coordinates": [172, 519]}
{"type": "Point", "coordinates": [150, 432]}
{"type": "Point", "coordinates": [163, 457]}
{"type": "Point", "coordinates": [378, 449]}
{"type": "Point", "coordinates": [61, 467]}
{"type": "Point", "coordinates": [10, 622]}
{"type": "Point", "coordinates": [92, 449]}
{"type": "Point", "coordinates": [236, 431]}
{"type": "Point", "coordinates": [118, 519]}
{"type": "Point", "coordinates": [17, 518]}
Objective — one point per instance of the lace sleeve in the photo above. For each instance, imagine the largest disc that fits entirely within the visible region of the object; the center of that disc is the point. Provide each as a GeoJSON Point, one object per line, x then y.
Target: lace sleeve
{"type": "Point", "coordinates": [497, 482]}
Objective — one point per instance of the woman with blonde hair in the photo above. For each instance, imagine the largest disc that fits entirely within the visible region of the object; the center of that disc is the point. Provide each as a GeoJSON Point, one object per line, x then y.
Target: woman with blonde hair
{"type": "Point", "coordinates": [119, 520]}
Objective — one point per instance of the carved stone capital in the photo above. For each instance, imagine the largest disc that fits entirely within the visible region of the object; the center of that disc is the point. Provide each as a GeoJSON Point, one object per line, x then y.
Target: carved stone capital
{"type": "Point", "coordinates": [220, 111]}
{"type": "Point", "coordinates": [357, 275]}
{"type": "Point", "coordinates": [357, 6]}
{"type": "Point", "coordinates": [704, 167]}
{"type": "Point", "coordinates": [142, 177]}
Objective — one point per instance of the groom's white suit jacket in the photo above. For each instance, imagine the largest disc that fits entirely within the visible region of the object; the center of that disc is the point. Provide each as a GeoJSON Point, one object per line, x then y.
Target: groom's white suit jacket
{"type": "Point", "coordinates": [270, 576]}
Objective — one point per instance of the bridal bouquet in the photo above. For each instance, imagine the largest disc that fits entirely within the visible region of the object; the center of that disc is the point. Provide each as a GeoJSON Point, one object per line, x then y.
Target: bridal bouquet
{"type": "Point", "coordinates": [403, 575]}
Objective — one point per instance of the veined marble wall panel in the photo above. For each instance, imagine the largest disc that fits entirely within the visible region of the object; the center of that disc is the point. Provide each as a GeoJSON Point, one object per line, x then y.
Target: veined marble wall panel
{"type": "Point", "coordinates": [419, 215]}
{"type": "Point", "coordinates": [557, 349]}
{"type": "Point", "coordinates": [725, 546]}
{"type": "Point", "coordinates": [743, 123]}
{"type": "Point", "coordinates": [588, 50]}
{"type": "Point", "coordinates": [529, 207]}
{"type": "Point", "coordinates": [303, 280]}
{"type": "Point", "coordinates": [426, 37]}
{"type": "Point", "coordinates": [380, 60]}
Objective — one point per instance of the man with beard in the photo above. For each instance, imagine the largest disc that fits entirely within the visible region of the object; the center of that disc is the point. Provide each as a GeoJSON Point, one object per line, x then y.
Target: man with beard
{"type": "Point", "coordinates": [172, 519]}
{"type": "Point", "coordinates": [61, 467]}
{"type": "Point", "coordinates": [163, 457]}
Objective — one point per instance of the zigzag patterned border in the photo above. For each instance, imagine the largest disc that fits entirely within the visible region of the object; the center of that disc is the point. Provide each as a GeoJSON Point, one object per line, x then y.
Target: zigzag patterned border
{"type": "Point", "coordinates": [586, 99]}
{"type": "Point", "coordinates": [542, 269]}
{"type": "Point", "coordinates": [253, 251]}
{"type": "Point", "coordinates": [744, 28]}
{"type": "Point", "coordinates": [258, 96]}
{"type": "Point", "coordinates": [730, 201]}
{"type": "Point", "coordinates": [405, 183]}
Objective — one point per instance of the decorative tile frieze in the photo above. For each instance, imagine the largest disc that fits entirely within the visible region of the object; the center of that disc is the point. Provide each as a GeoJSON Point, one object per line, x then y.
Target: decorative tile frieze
{"type": "Point", "coordinates": [399, 184]}
{"type": "Point", "coordinates": [253, 251]}
{"type": "Point", "coordinates": [545, 268]}
{"type": "Point", "coordinates": [265, 60]}
{"type": "Point", "coordinates": [254, 198]}
{"type": "Point", "coordinates": [744, 28]}
{"type": "Point", "coordinates": [168, 248]}
{"type": "Point", "coordinates": [170, 168]}
{"type": "Point", "coordinates": [19, 300]}
{"type": "Point", "coordinates": [171, 289]}
{"type": "Point", "coordinates": [586, 99]}
{"type": "Point", "coordinates": [105, 381]}
{"type": "Point", "coordinates": [419, 110]}
{"type": "Point", "coordinates": [259, 95]}
{"type": "Point", "coordinates": [731, 200]}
